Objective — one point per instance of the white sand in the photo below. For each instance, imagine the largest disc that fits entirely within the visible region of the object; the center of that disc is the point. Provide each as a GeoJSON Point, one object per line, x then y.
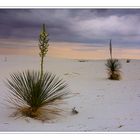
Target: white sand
{"type": "Point", "coordinates": [104, 105]}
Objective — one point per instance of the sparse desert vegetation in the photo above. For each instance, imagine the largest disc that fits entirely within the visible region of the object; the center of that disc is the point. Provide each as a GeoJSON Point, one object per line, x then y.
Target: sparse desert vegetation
{"type": "Point", "coordinates": [128, 61]}
{"type": "Point", "coordinates": [82, 60]}
{"type": "Point", "coordinates": [105, 103]}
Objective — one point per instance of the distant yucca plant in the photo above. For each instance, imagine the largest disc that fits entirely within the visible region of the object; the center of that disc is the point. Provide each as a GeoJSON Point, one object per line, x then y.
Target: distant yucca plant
{"type": "Point", "coordinates": [31, 93]}
{"type": "Point", "coordinates": [113, 68]}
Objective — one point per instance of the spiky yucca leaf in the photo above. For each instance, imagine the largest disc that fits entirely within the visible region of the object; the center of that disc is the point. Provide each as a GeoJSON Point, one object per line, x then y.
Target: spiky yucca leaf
{"type": "Point", "coordinates": [30, 91]}
{"type": "Point", "coordinates": [113, 68]}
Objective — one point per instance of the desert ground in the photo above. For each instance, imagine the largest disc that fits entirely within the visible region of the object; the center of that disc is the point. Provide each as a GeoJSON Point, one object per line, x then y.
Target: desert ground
{"type": "Point", "coordinates": [103, 105]}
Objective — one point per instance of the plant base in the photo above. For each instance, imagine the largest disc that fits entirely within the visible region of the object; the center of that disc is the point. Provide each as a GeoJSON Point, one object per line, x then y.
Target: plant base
{"type": "Point", "coordinates": [42, 114]}
{"type": "Point", "coordinates": [115, 76]}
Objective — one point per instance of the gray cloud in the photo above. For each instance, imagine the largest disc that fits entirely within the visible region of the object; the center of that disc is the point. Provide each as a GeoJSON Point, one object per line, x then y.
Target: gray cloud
{"type": "Point", "coordinates": [73, 25]}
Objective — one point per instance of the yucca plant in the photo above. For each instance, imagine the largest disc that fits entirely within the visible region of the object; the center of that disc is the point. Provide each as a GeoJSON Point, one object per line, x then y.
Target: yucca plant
{"type": "Point", "coordinates": [36, 97]}
{"type": "Point", "coordinates": [36, 93]}
{"type": "Point", "coordinates": [113, 66]}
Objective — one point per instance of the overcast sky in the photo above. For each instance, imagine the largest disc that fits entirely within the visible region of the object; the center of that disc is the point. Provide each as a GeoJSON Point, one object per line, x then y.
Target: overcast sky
{"type": "Point", "coordinates": [94, 26]}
